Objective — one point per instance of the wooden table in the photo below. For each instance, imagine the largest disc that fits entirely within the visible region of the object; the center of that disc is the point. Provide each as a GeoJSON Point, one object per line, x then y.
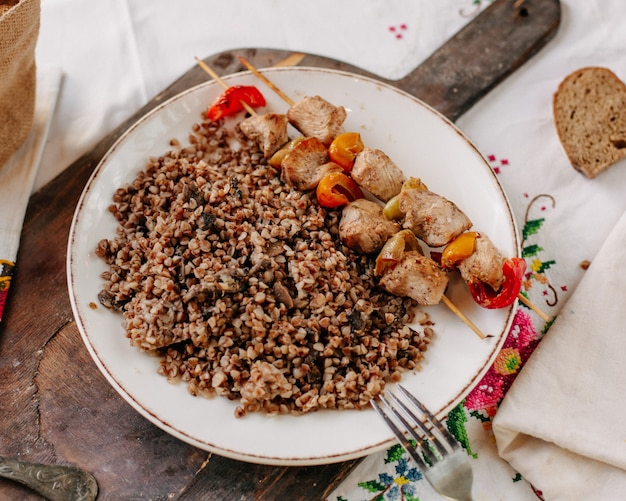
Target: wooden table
{"type": "Point", "coordinates": [56, 407]}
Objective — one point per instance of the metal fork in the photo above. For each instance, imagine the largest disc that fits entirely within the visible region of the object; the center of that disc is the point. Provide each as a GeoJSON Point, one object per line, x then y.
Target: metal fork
{"type": "Point", "coordinates": [438, 455]}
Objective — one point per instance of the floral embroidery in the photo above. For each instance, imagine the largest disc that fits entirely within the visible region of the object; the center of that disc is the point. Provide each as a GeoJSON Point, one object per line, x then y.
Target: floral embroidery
{"type": "Point", "coordinates": [6, 272]}
{"type": "Point", "coordinates": [456, 425]}
{"type": "Point", "coordinates": [507, 362]}
{"type": "Point", "coordinates": [537, 267]}
{"type": "Point", "coordinates": [401, 485]}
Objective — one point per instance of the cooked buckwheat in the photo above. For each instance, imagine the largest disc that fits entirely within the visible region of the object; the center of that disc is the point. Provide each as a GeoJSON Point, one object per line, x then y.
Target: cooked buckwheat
{"type": "Point", "coordinates": [242, 284]}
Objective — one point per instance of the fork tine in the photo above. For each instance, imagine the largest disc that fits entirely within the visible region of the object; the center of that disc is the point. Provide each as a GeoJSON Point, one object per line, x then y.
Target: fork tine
{"type": "Point", "coordinates": [427, 452]}
{"type": "Point", "coordinates": [435, 422]}
{"type": "Point", "coordinates": [410, 426]}
{"type": "Point", "coordinates": [405, 442]}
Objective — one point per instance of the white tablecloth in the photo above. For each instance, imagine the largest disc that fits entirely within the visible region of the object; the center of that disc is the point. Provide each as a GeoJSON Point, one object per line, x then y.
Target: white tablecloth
{"type": "Point", "coordinates": [117, 54]}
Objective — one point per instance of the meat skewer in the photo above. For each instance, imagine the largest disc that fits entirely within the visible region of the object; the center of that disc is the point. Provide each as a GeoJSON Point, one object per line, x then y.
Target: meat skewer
{"type": "Point", "coordinates": [306, 163]}
{"type": "Point", "coordinates": [484, 263]}
{"type": "Point", "coordinates": [363, 172]}
{"type": "Point", "coordinates": [463, 222]}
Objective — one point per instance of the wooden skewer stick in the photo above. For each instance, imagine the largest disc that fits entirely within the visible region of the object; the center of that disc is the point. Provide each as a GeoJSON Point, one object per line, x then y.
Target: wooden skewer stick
{"type": "Point", "coordinates": [217, 78]}
{"type": "Point", "coordinates": [268, 82]}
{"type": "Point", "coordinates": [533, 307]}
{"type": "Point", "coordinates": [462, 316]}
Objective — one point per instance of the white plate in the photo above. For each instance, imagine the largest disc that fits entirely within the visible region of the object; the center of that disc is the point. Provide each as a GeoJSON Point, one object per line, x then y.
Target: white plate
{"type": "Point", "coordinates": [424, 144]}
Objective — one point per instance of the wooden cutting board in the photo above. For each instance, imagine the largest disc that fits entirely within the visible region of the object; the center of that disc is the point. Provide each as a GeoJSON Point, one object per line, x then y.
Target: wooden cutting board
{"type": "Point", "coordinates": [58, 408]}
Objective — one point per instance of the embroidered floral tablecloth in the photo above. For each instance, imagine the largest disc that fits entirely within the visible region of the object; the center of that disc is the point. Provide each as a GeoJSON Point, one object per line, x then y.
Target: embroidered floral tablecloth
{"type": "Point", "coordinates": [563, 217]}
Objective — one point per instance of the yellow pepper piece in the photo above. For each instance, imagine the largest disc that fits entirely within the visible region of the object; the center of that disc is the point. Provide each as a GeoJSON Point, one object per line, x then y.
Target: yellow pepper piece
{"type": "Point", "coordinates": [344, 149]}
{"type": "Point", "coordinates": [391, 210]}
{"type": "Point", "coordinates": [414, 183]}
{"type": "Point", "coordinates": [392, 207]}
{"type": "Point", "coordinates": [459, 249]}
{"type": "Point", "coordinates": [276, 159]}
{"type": "Point", "coordinates": [394, 248]}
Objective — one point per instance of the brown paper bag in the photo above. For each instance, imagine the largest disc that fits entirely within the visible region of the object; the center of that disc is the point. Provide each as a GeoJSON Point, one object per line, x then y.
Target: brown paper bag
{"type": "Point", "coordinates": [19, 28]}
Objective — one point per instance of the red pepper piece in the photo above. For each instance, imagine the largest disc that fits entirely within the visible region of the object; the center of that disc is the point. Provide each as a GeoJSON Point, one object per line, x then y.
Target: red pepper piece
{"type": "Point", "coordinates": [337, 189]}
{"type": "Point", "coordinates": [229, 102]}
{"type": "Point", "coordinates": [513, 270]}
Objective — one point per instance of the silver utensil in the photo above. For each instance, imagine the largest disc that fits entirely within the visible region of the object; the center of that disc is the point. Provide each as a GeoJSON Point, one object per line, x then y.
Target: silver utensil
{"type": "Point", "coordinates": [54, 482]}
{"type": "Point", "coordinates": [438, 455]}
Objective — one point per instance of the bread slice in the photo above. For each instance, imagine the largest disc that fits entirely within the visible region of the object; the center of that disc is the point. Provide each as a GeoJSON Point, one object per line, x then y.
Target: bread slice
{"type": "Point", "coordinates": [589, 110]}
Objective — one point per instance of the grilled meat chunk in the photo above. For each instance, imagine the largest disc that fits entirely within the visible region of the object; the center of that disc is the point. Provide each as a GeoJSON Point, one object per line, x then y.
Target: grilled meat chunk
{"type": "Point", "coordinates": [316, 117]}
{"type": "Point", "coordinates": [306, 164]}
{"type": "Point", "coordinates": [377, 173]}
{"type": "Point", "coordinates": [417, 277]}
{"type": "Point", "coordinates": [484, 265]}
{"type": "Point", "coordinates": [364, 228]}
{"type": "Point", "coordinates": [269, 131]}
{"type": "Point", "coordinates": [433, 218]}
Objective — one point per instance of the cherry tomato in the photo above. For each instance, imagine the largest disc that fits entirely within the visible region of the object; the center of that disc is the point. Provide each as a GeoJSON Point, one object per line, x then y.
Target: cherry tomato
{"type": "Point", "coordinates": [513, 270]}
{"type": "Point", "coordinates": [336, 189]}
{"type": "Point", "coordinates": [344, 149]}
{"type": "Point", "coordinates": [229, 102]}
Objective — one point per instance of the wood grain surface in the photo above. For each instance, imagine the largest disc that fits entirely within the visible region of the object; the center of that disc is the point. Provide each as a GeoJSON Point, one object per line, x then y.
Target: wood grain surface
{"type": "Point", "coordinates": [56, 407]}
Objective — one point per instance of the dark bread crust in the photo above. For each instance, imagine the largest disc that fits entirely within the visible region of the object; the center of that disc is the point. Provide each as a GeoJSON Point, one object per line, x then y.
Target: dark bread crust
{"type": "Point", "coordinates": [589, 110]}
